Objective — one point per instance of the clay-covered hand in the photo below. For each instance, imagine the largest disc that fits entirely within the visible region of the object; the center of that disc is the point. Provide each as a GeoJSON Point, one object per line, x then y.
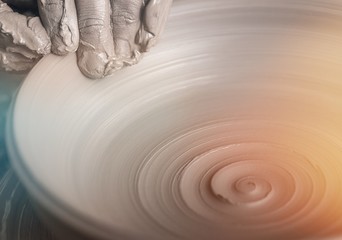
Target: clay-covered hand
{"type": "Point", "coordinates": [109, 34]}
{"type": "Point", "coordinates": [23, 39]}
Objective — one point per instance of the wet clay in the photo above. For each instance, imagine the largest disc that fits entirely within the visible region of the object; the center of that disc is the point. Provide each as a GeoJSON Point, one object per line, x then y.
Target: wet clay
{"type": "Point", "coordinates": [229, 129]}
{"type": "Point", "coordinates": [23, 40]}
{"type": "Point", "coordinates": [119, 34]}
{"type": "Point", "coordinates": [60, 21]}
{"type": "Point", "coordinates": [108, 35]}
{"type": "Point", "coordinates": [112, 34]}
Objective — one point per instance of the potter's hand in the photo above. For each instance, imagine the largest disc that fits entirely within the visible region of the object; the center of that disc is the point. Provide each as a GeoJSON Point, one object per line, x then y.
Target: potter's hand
{"type": "Point", "coordinates": [111, 33]}
{"type": "Point", "coordinates": [23, 40]}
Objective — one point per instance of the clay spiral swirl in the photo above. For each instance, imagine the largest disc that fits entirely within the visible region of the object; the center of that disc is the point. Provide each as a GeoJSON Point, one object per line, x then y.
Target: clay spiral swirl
{"type": "Point", "coordinates": [230, 129]}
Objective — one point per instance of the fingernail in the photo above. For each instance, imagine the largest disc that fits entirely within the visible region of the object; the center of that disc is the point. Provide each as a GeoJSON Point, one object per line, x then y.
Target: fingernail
{"type": "Point", "coordinates": [150, 42]}
{"type": "Point", "coordinates": [123, 49]}
{"type": "Point", "coordinates": [125, 54]}
{"type": "Point", "coordinates": [95, 65]}
{"type": "Point", "coordinates": [145, 40]}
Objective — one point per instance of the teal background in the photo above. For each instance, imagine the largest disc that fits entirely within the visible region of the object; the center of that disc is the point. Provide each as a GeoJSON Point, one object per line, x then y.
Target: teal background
{"type": "Point", "coordinates": [17, 218]}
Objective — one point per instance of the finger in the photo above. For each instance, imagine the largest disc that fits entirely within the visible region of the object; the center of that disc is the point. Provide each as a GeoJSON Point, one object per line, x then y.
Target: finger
{"type": "Point", "coordinates": [126, 19]}
{"type": "Point", "coordinates": [154, 19]}
{"type": "Point", "coordinates": [59, 18]}
{"type": "Point", "coordinates": [96, 49]}
{"type": "Point", "coordinates": [22, 40]}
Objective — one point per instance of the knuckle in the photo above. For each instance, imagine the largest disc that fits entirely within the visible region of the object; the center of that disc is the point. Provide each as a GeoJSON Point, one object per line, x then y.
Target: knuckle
{"type": "Point", "coordinates": [90, 22]}
{"type": "Point", "coordinates": [125, 17]}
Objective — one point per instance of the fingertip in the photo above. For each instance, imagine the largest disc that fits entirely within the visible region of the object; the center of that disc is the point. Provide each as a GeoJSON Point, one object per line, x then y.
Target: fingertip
{"type": "Point", "coordinates": [45, 49]}
{"type": "Point", "coordinates": [96, 49]}
{"type": "Point", "coordinates": [60, 47]}
{"type": "Point", "coordinates": [145, 39]}
{"type": "Point", "coordinates": [151, 42]}
{"type": "Point", "coordinates": [96, 65]}
{"type": "Point", "coordinates": [125, 54]}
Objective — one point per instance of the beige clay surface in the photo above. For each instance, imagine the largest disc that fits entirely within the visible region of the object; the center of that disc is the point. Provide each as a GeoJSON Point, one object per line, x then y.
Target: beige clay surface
{"type": "Point", "coordinates": [229, 129]}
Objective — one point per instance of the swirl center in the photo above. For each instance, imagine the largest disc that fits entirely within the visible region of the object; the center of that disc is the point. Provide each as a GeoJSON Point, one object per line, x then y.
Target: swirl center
{"type": "Point", "coordinates": [245, 185]}
{"type": "Point", "coordinates": [230, 188]}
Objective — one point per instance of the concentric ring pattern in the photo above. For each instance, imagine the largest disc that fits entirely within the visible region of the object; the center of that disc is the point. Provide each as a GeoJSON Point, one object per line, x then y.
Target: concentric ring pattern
{"type": "Point", "coordinates": [231, 128]}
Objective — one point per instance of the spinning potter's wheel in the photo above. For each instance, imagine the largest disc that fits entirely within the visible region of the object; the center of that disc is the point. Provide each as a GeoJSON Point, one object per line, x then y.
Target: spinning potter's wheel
{"type": "Point", "coordinates": [229, 129]}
